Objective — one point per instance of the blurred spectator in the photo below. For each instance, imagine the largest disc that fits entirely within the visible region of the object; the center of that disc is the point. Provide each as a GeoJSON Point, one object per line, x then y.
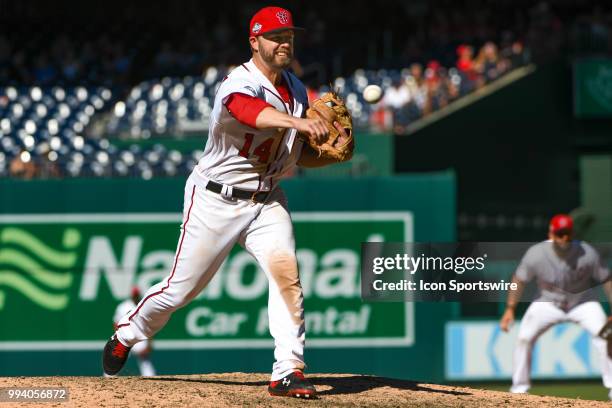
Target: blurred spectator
{"type": "Point", "coordinates": [488, 62]}
{"type": "Point", "coordinates": [452, 87]}
{"type": "Point", "coordinates": [436, 94]}
{"type": "Point", "coordinates": [418, 90]}
{"type": "Point", "coordinates": [22, 166]}
{"type": "Point", "coordinates": [467, 67]}
{"type": "Point", "coordinates": [465, 62]}
{"type": "Point", "coordinates": [46, 162]}
{"type": "Point", "coordinates": [515, 55]}
{"type": "Point", "coordinates": [396, 98]}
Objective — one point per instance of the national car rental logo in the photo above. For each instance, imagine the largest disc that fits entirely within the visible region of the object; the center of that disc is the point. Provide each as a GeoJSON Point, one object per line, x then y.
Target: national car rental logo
{"type": "Point", "coordinates": [31, 267]}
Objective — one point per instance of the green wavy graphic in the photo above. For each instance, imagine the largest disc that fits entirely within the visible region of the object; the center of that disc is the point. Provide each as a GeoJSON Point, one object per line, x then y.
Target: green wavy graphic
{"type": "Point", "coordinates": [44, 299]}
{"type": "Point", "coordinates": [52, 256]}
{"type": "Point", "coordinates": [55, 280]}
{"type": "Point", "coordinates": [39, 279]}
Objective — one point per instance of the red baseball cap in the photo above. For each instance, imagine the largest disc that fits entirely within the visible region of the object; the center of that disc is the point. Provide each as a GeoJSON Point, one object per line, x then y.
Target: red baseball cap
{"type": "Point", "coordinates": [463, 48]}
{"type": "Point", "coordinates": [270, 19]}
{"type": "Point", "coordinates": [561, 223]}
{"type": "Point", "coordinates": [135, 291]}
{"type": "Point", "coordinates": [434, 65]}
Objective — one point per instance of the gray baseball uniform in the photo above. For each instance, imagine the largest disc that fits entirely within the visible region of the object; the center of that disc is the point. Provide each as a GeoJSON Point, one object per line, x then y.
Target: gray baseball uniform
{"type": "Point", "coordinates": [564, 281]}
{"type": "Point", "coordinates": [567, 284]}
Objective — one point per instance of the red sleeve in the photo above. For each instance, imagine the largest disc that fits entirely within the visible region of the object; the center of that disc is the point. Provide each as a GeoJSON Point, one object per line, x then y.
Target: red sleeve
{"type": "Point", "coordinates": [245, 108]}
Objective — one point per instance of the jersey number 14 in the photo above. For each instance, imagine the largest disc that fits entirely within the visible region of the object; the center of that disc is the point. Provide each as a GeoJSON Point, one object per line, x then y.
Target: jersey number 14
{"type": "Point", "coordinates": [262, 151]}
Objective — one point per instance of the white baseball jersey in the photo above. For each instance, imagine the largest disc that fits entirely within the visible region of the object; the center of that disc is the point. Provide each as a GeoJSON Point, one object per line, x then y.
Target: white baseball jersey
{"type": "Point", "coordinates": [240, 156]}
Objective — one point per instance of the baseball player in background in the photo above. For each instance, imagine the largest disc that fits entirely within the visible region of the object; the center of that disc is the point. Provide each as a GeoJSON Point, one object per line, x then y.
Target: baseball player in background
{"type": "Point", "coordinates": [232, 196]}
{"type": "Point", "coordinates": [144, 348]}
{"type": "Point", "coordinates": [567, 272]}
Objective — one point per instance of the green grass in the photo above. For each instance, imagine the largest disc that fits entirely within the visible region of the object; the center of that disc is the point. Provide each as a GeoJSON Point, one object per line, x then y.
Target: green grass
{"type": "Point", "coordinates": [586, 390]}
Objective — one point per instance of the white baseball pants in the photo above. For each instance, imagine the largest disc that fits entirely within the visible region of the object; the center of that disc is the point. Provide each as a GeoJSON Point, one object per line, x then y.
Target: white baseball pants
{"type": "Point", "coordinates": [539, 317]}
{"type": "Point", "coordinates": [211, 226]}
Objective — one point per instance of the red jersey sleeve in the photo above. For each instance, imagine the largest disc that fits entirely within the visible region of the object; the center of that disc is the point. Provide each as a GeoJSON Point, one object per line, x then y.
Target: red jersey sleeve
{"type": "Point", "coordinates": [245, 108]}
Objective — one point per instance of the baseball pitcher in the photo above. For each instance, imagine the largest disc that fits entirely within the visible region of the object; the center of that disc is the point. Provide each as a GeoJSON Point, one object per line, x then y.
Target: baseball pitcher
{"type": "Point", "coordinates": [258, 128]}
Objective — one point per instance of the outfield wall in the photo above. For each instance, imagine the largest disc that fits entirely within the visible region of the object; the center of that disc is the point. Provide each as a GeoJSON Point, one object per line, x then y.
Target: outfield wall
{"type": "Point", "coordinates": [479, 350]}
{"type": "Point", "coordinates": [71, 250]}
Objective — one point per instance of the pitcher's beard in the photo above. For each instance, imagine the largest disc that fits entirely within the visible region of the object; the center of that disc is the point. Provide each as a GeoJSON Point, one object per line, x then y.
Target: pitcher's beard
{"type": "Point", "coordinates": [271, 59]}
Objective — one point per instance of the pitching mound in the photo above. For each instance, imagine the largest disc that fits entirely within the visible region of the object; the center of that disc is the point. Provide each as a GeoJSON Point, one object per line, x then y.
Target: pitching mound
{"type": "Point", "coordinates": [239, 389]}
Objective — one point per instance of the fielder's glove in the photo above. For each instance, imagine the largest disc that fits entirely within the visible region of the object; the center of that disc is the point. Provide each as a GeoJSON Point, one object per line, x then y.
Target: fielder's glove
{"type": "Point", "coordinates": [331, 108]}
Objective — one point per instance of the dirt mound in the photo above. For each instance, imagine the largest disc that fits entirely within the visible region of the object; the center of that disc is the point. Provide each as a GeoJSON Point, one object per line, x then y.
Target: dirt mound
{"type": "Point", "coordinates": [239, 389]}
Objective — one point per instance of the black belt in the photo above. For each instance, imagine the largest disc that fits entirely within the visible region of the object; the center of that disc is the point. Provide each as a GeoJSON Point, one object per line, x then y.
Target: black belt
{"type": "Point", "coordinates": [257, 196]}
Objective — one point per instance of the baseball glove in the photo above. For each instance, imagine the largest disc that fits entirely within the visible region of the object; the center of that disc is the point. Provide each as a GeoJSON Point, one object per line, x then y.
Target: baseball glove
{"type": "Point", "coordinates": [330, 107]}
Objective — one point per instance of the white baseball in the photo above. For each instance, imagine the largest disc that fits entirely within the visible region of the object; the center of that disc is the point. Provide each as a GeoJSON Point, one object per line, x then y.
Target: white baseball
{"type": "Point", "coordinates": [372, 93]}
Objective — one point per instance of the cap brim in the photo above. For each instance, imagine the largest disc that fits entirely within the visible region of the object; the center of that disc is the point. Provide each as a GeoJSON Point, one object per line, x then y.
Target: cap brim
{"type": "Point", "coordinates": [563, 231]}
{"type": "Point", "coordinates": [299, 29]}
